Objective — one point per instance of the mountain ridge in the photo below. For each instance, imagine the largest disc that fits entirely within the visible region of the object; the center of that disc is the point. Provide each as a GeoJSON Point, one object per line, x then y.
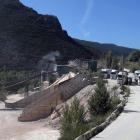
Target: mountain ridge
{"type": "Point", "coordinates": [106, 47]}
{"type": "Point", "coordinates": [28, 36]}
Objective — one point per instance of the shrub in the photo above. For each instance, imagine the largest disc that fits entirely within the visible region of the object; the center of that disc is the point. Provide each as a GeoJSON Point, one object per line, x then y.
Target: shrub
{"type": "Point", "coordinates": [114, 92]}
{"type": "Point", "coordinates": [3, 96]}
{"type": "Point", "coordinates": [75, 132]}
{"type": "Point", "coordinates": [99, 119]}
{"type": "Point", "coordinates": [114, 103]}
{"type": "Point", "coordinates": [53, 107]}
{"type": "Point", "coordinates": [127, 90]}
{"type": "Point", "coordinates": [73, 121]}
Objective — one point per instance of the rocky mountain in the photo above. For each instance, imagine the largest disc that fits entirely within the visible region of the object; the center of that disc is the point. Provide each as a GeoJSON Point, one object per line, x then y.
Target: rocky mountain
{"type": "Point", "coordinates": [26, 36]}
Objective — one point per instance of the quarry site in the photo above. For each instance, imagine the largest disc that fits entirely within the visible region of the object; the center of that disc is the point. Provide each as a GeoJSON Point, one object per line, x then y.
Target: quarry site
{"type": "Point", "coordinates": [69, 70]}
{"type": "Point", "coordinates": [31, 122]}
{"type": "Point", "coordinates": [35, 115]}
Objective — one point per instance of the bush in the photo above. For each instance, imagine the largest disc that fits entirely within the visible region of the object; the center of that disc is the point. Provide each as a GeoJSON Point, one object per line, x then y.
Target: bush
{"type": "Point", "coordinates": [115, 103]}
{"type": "Point", "coordinates": [99, 119]}
{"type": "Point", "coordinates": [73, 121]}
{"type": "Point", "coordinates": [114, 93]}
{"type": "Point", "coordinates": [53, 107]}
{"type": "Point", "coordinates": [127, 90]}
{"type": "Point", "coordinates": [75, 132]}
{"type": "Point", "coordinates": [3, 97]}
{"type": "Point", "coordinates": [90, 73]}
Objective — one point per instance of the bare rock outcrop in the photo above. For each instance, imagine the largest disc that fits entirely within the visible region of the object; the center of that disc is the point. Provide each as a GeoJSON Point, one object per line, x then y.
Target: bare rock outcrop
{"type": "Point", "coordinates": [49, 21]}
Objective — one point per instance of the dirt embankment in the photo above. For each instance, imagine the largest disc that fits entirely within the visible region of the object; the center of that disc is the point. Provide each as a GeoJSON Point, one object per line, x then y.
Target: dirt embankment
{"type": "Point", "coordinates": [12, 129]}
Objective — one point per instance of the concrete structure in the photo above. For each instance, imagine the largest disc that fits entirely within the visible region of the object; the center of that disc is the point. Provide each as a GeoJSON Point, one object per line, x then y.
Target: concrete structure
{"type": "Point", "coordinates": [29, 99]}
{"type": "Point", "coordinates": [63, 91]}
{"type": "Point", "coordinates": [64, 69]}
{"type": "Point", "coordinates": [41, 103]}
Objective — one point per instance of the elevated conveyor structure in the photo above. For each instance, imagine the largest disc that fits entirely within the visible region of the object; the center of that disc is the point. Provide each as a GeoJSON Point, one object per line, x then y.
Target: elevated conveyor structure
{"type": "Point", "coordinates": [43, 106]}
{"type": "Point", "coordinates": [32, 98]}
{"type": "Point", "coordinates": [40, 104]}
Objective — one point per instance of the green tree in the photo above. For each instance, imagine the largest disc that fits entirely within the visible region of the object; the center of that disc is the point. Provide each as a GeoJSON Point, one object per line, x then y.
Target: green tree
{"type": "Point", "coordinates": [99, 102]}
{"type": "Point", "coordinates": [139, 63]}
{"type": "Point", "coordinates": [134, 56]}
{"type": "Point", "coordinates": [114, 64]}
{"type": "Point", "coordinates": [108, 59]}
{"type": "Point", "coordinates": [73, 117]}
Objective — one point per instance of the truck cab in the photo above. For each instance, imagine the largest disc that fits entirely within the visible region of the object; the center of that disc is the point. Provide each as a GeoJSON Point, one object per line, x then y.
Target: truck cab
{"type": "Point", "coordinates": [119, 78]}
{"type": "Point", "coordinates": [136, 73]}
{"type": "Point", "coordinates": [105, 73]}
{"type": "Point", "coordinates": [113, 74]}
{"type": "Point", "coordinates": [139, 80]}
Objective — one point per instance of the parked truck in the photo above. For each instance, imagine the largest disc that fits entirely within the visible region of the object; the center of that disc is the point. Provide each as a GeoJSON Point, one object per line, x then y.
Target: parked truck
{"type": "Point", "coordinates": [139, 80]}
{"type": "Point", "coordinates": [113, 74]}
{"type": "Point", "coordinates": [119, 77]}
{"type": "Point", "coordinates": [106, 73]}
{"type": "Point", "coordinates": [136, 73]}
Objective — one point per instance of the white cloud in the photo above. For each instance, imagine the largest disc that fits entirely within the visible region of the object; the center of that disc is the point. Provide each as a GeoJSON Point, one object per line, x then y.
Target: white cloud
{"type": "Point", "coordinates": [85, 18]}
{"type": "Point", "coordinates": [88, 12]}
{"type": "Point", "coordinates": [85, 33]}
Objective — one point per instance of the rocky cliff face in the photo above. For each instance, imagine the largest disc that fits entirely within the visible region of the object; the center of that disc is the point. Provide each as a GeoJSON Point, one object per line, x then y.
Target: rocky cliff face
{"type": "Point", "coordinates": [49, 21]}
{"type": "Point", "coordinates": [52, 22]}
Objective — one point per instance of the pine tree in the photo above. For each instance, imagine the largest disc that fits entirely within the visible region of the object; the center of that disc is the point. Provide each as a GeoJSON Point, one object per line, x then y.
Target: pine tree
{"type": "Point", "coordinates": [114, 64]}
{"type": "Point", "coordinates": [108, 59]}
{"type": "Point", "coordinates": [73, 117]}
{"type": "Point", "coordinates": [99, 102]}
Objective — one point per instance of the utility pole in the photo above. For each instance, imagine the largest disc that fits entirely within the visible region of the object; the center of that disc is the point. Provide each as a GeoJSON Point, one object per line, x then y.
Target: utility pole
{"type": "Point", "coordinates": [122, 73]}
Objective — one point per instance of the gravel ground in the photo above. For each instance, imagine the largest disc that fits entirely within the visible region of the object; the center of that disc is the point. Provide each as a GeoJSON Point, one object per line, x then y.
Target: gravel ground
{"type": "Point", "coordinates": [12, 129]}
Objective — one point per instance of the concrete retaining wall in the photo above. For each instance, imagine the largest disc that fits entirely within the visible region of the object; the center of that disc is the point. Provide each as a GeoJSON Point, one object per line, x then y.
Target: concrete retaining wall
{"type": "Point", "coordinates": [28, 100]}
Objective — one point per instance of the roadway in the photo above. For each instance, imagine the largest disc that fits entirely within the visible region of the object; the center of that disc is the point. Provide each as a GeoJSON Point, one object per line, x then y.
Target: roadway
{"type": "Point", "coordinates": [127, 125]}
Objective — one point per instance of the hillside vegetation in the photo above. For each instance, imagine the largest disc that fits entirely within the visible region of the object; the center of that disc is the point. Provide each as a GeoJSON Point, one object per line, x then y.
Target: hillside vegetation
{"type": "Point", "coordinates": [26, 36]}
{"type": "Point", "coordinates": [105, 48]}
{"type": "Point", "coordinates": [134, 56]}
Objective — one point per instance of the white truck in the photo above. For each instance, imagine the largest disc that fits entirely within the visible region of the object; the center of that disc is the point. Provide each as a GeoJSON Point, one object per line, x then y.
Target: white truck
{"type": "Point", "coordinates": [106, 72]}
{"type": "Point", "coordinates": [119, 77]}
{"type": "Point", "coordinates": [113, 74]}
{"type": "Point", "coordinates": [139, 80]}
{"type": "Point", "coordinates": [136, 73]}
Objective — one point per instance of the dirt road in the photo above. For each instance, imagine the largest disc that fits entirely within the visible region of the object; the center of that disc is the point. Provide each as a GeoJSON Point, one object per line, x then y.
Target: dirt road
{"type": "Point", "coordinates": [127, 125]}
{"type": "Point", "coordinates": [11, 129]}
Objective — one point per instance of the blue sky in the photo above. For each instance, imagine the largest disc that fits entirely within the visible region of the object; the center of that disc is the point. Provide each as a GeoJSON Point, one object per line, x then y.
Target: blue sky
{"type": "Point", "coordinates": [103, 21]}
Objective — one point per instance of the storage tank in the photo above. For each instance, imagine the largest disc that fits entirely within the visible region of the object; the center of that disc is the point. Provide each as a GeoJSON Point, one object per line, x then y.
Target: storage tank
{"type": "Point", "coordinates": [64, 69]}
{"type": "Point", "coordinates": [92, 65]}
